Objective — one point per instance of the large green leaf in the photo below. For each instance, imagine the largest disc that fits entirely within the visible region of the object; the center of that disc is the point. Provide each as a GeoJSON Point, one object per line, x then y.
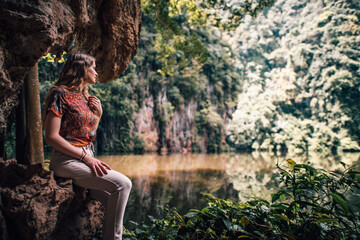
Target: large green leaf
{"type": "Point", "coordinates": [342, 202]}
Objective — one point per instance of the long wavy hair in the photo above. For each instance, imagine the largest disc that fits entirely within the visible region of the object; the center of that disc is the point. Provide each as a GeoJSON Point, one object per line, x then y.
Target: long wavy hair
{"type": "Point", "coordinates": [72, 75]}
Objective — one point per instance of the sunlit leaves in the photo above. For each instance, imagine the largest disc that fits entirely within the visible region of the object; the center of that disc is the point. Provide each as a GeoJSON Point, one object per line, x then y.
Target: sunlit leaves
{"type": "Point", "coordinates": [178, 52]}
{"type": "Point", "coordinates": [229, 14]}
{"type": "Point", "coordinates": [312, 80]}
{"type": "Point", "coordinates": [178, 7]}
{"type": "Point", "coordinates": [177, 22]}
{"type": "Point", "coordinates": [53, 58]}
{"type": "Point", "coordinates": [225, 14]}
{"type": "Point", "coordinates": [291, 163]}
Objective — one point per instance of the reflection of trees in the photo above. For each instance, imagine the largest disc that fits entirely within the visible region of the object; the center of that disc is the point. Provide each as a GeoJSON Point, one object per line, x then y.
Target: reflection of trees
{"type": "Point", "coordinates": [251, 174]}
{"type": "Point", "coordinates": [327, 162]}
{"type": "Point", "coordinates": [182, 180]}
{"type": "Point", "coordinates": [183, 188]}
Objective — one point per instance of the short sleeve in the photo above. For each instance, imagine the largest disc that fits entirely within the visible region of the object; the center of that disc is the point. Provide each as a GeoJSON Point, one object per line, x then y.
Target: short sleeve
{"type": "Point", "coordinates": [56, 104]}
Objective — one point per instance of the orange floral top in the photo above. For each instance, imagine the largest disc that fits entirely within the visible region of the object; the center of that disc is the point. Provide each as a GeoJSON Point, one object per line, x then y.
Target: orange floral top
{"type": "Point", "coordinates": [78, 122]}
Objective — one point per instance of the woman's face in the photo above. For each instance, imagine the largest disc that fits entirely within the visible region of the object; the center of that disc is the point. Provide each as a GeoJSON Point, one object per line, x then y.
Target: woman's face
{"type": "Point", "coordinates": [91, 74]}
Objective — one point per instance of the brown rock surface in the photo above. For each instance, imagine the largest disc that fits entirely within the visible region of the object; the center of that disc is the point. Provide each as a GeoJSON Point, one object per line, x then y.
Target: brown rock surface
{"type": "Point", "coordinates": [35, 206]}
{"type": "Point", "coordinates": [109, 30]}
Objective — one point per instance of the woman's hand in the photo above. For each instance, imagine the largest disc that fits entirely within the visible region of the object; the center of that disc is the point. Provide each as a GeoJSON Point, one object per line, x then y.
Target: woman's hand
{"type": "Point", "coordinates": [97, 166]}
{"type": "Point", "coordinates": [95, 106]}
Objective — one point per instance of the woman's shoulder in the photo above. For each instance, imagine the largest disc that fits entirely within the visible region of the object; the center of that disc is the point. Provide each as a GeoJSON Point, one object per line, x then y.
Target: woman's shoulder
{"type": "Point", "coordinates": [59, 90]}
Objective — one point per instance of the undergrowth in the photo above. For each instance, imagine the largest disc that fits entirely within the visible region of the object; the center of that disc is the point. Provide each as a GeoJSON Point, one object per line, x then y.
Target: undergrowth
{"type": "Point", "coordinates": [311, 204]}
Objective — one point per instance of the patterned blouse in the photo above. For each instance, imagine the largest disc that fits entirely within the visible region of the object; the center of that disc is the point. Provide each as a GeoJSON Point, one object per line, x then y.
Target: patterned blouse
{"type": "Point", "coordinates": [78, 122]}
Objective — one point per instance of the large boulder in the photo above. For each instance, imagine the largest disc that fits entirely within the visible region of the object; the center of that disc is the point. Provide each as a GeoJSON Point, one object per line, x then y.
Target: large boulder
{"type": "Point", "coordinates": [35, 206]}
{"type": "Point", "coordinates": [109, 30]}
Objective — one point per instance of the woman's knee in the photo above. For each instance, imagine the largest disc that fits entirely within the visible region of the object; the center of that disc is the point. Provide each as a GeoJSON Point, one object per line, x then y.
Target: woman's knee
{"type": "Point", "coordinates": [123, 181]}
{"type": "Point", "coordinates": [127, 183]}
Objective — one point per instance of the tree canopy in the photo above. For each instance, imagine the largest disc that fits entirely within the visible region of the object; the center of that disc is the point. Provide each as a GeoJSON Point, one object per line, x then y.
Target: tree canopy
{"type": "Point", "coordinates": [176, 24]}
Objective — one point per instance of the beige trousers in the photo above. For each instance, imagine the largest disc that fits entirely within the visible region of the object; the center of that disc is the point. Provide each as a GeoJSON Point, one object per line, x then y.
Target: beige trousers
{"type": "Point", "coordinates": [112, 189]}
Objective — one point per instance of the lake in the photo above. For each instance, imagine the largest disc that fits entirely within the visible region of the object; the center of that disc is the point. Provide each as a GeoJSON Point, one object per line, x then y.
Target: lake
{"type": "Point", "coordinates": [183, 181]}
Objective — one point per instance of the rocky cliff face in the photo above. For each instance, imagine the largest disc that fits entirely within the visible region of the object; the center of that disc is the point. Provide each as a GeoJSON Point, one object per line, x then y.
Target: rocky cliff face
{"type": "Point", "coordinates": [35, 206]}
{"type": "Point", "coordinates": [172, 132]}
{"type": "Point", "coordinates": [109, 30]}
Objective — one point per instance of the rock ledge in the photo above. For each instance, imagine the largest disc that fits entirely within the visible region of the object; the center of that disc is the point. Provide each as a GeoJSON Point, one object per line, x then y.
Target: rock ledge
{"type": "Point", "coordinates": [34, 205]}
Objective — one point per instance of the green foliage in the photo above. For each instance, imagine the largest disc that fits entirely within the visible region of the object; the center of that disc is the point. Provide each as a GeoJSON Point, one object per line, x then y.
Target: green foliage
{"type": "Point", "coordinates": [224, 14]}
{"type": "Point", "coordinates": [10, 146]}
{"type": "Point", "coordinates": [210, 124]}
{"type": "Point", "coordinates": [263, 121]}
{"type": "Point", "coordinates": [176, 21]}
{"type": "Point", "coordinates": [50, 67]}
{"type": "Point", "coordinates": [312, 204]}
{"type": "Point", "coordinates": [301, 79]}
{"type": "Point", "coordinates": [138, 145]}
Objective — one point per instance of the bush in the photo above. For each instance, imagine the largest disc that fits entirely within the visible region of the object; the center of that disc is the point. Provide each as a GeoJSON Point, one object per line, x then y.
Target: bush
{"type": "Point", "coordinates": [311, 204]}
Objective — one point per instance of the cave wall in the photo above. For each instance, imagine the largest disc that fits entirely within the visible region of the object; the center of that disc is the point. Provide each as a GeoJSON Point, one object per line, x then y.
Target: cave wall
{"type": "Point", "coordinates": [108, 30]}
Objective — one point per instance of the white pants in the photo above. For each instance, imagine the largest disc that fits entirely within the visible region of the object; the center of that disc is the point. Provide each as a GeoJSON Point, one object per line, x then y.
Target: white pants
{"type": "Point", "coordinates": [112, 189]}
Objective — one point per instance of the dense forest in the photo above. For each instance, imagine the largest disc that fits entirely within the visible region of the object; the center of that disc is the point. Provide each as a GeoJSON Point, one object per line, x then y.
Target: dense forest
{"type": "Point", "coordinates": [286, 80]}
{"type": "Point", "coordinates": [300, 62]}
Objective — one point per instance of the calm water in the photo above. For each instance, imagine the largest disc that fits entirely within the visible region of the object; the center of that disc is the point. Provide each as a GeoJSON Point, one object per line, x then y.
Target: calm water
{"type": "Point", "coordinates": [182, 181]}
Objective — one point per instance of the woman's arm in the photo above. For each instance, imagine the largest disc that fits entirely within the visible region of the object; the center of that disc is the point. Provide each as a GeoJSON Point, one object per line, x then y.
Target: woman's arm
{"type": "Point", "coordinates": [53, 138]}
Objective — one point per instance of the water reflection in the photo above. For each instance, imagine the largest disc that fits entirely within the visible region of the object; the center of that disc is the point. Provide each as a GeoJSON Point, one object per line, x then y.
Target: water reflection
{"type": "Point", "coordinates": [182, 180]}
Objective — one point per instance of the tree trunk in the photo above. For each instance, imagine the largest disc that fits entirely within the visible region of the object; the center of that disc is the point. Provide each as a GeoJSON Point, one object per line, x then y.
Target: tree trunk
{"type": "Point", "coordinates": [34, 139]}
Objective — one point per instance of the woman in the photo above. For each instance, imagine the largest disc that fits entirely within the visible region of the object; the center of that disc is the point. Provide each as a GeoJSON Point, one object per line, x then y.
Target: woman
{"type": "Point", "coordinates": [71, 120]}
